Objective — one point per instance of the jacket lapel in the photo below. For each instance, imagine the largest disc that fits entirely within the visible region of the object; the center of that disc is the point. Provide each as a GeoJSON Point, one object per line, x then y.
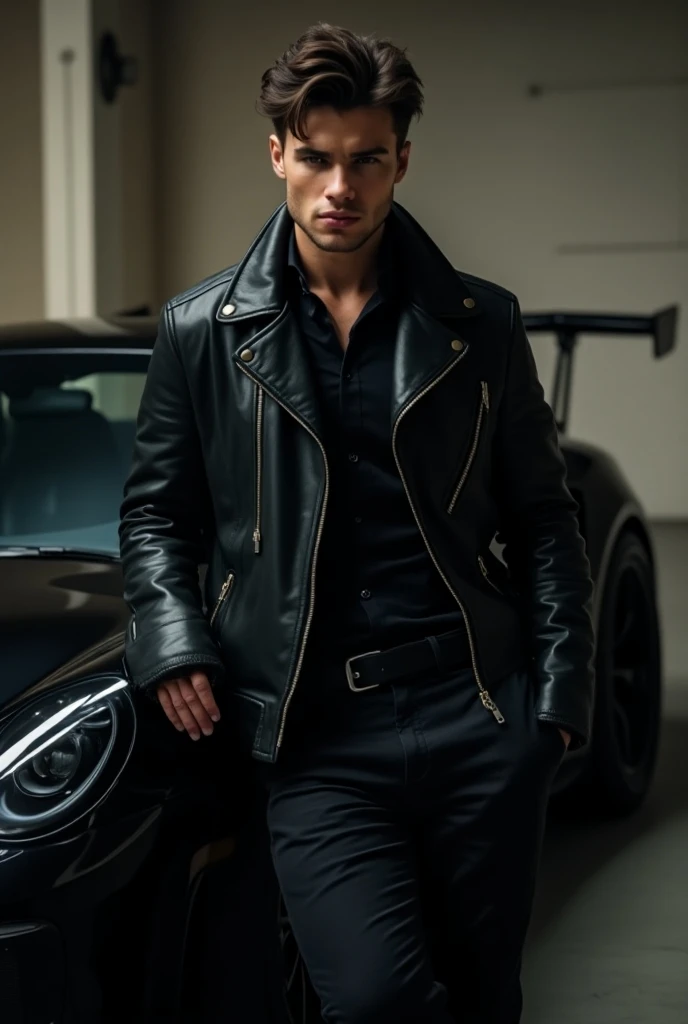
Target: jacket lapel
{"type": "Point", "coordinates": [279, 362]}
{"type": "Point", "coordinates": [438, 303]}
{"type": "Point", "coordinates": [425, 350]}
{"type": "Point", "coordinates": [274, 355]}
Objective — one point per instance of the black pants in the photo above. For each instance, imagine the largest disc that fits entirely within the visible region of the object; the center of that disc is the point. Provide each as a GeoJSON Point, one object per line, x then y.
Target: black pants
{"type": "Point", "coordinates": [406, 827]}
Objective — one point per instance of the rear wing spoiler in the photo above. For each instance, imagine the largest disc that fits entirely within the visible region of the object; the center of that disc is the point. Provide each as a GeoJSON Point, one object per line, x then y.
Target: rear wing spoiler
{"type": "Point", "coordinates": [661, 327]}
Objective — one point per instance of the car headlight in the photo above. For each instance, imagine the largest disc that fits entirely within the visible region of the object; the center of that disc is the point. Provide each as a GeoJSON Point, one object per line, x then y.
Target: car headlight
{"type": "Point", "coordinates": [60, 755]}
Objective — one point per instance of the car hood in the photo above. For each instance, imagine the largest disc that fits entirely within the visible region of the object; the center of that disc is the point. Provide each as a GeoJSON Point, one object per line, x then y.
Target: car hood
{"type": "Point", "coordinates": [60, 619]}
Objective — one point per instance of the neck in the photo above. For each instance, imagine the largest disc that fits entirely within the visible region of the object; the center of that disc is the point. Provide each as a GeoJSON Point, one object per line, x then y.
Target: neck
{"type": "Point", "coordinates": [341, 275]}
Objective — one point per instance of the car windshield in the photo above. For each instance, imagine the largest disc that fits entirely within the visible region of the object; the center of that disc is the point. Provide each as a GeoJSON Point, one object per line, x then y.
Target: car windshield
{"type": "Point", "coordinates": [67, 426]}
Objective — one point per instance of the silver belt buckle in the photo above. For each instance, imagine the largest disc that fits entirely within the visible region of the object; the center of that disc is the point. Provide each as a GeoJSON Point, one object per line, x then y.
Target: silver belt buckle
{"type": "Point", "coordinates": [351, 675]}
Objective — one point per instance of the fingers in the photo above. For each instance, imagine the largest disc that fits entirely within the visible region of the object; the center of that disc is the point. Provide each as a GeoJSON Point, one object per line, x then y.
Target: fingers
{"type": "Point", "coordinates": [180, 707]}
{"type": "Point", "coordinates": [165, 698]}
{"type": "Point", "coordinates": [566, 736]}
{"type": "Point", "coordinates": [189, 703]}
{"type": "Point", "coordinates": [204, 690]}
{"type": "Point", "coordinates": [195, 707]}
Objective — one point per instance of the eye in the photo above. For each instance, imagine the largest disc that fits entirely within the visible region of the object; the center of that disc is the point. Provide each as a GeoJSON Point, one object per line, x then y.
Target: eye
{"type": "Point", "coordinates": [313, 159]}
{"type": "Point", "coordinates": [368, 160]}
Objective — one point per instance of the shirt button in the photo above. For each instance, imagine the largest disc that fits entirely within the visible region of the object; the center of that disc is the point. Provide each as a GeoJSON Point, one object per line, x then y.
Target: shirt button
{"type": "Point", "coordinates": [348, 376]}
{"type": "Point", "coordinates": [353, 457]}
{"type": "Point", "coordinates": [357, 519]}
{"type": "Point", "coordinates": [365, 594]}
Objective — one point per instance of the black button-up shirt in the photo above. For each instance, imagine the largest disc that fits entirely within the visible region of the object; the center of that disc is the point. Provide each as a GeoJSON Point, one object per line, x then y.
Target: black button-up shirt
{"type": "Point", "coordinates": [376, 584]}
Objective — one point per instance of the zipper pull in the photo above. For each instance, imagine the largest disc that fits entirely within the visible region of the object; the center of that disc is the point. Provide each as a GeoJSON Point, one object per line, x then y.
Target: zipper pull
{"type": "Point", "coordinates": [490, 705]}
{"type": "Point", "coordinates": [482, 566]}
{"type": "Point", "coordinates": [256, 541]}
{"type": "Point", "coordinates": [224, 590]}
{"type": "Point", "coordinates": [486, 394]}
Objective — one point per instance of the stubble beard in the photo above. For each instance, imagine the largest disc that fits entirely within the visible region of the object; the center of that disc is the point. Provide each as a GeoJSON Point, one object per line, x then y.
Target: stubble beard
{"type": "Point", "coordinates": [336, 244]}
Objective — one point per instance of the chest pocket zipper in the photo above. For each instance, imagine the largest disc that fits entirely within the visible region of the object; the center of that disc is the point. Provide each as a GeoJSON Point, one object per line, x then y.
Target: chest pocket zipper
{"type": "Point", "coordinates": [482, 412]}
{"type": "Point", "coordinates": [260, 400]}
{"type": "Point", "coordinates": [222, 596]}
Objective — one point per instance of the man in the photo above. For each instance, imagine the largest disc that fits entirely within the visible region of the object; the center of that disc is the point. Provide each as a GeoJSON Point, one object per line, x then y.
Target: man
{"type": "Point", "coordinates": [340, 426]}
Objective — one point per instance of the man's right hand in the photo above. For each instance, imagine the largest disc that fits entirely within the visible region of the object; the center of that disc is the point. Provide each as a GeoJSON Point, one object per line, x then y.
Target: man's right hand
{"type": "Point", "coordinates": [189, 703]}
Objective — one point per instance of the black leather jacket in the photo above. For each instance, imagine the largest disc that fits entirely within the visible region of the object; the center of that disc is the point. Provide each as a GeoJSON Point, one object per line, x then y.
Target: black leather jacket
{"type": "Point", "coordinates": [229, 469]}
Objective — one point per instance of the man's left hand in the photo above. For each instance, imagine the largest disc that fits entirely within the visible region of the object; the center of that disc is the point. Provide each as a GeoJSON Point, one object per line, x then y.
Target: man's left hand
{"type": "Point", "coordinates": [566, 736]}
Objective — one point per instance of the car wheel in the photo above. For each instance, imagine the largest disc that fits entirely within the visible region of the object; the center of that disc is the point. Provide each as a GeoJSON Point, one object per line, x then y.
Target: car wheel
{"type": "Point", "coordinates": [628, 682]}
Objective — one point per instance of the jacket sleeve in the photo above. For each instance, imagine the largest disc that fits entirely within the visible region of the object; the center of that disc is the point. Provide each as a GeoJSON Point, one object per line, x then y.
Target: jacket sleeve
{"type": "Point", "coordinates": [161, 527]}
{"type": "Point", "coordinates": [544, 547]}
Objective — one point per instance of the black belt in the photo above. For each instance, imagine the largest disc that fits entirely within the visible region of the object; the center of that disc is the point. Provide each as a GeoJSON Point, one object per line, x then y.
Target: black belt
{"type": "Point", "coordinates": [445, 652]}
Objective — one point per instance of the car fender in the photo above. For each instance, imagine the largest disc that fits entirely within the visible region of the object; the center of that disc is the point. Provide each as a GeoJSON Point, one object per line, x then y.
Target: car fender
{"type": "Point", "coordinates": [607, 507]}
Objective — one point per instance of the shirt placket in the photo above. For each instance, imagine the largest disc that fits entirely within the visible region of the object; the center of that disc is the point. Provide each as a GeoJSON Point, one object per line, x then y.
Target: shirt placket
{"type": "Point", "coordinates": [352, 383]}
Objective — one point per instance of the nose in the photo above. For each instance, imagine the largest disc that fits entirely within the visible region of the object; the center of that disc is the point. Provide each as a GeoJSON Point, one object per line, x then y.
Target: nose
{"type": "Point", "coordinates": [339, 188]}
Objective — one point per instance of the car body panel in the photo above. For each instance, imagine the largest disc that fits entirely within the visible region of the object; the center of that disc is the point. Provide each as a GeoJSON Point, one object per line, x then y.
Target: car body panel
{"type": "Point", "coordinates": [80, 332]}
{"type": "Point", "coordinates": [62, 619]}
{"type": "Point", "coordinates": [607, 503]}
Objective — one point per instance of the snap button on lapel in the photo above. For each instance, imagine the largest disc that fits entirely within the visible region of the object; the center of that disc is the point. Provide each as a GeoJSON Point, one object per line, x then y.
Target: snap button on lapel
{"type": "Point", "coordinates": [228, 310]}
{"type": "Point", "coordinates": [457, 345]}
{"type": "Point", "coordinates": [246, 355]}
{"type": "Point", "coordinates": [469, 303]}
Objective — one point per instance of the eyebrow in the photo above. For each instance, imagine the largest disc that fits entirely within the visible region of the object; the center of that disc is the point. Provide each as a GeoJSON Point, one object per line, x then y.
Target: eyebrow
{"type": "Point", "coordinates": [309, 151]}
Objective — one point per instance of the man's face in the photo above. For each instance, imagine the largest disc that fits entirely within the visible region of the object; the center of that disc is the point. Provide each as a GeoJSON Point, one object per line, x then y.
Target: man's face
{"type": "Point", "coordinates": [347, 166]}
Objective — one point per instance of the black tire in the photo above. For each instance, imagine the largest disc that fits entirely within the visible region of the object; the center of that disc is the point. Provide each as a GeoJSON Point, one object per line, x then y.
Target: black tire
{"type": "Point", "coordinates": [628, 697]}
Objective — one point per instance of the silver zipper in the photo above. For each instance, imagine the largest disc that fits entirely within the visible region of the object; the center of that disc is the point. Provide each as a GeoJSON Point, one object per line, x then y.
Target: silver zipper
{"type": "Point", "coordinates": [485, 698]}
{"type": "Point", "coordinates": [484, 406]}
{"type": "Point", "coordinates": [259, 469]}
{"type": "Point", "coordinates": [321, 523]}
{"type": "Point", "coordinates": [224, 591]}
{"type": "Point", "coordinates": [483, 569]}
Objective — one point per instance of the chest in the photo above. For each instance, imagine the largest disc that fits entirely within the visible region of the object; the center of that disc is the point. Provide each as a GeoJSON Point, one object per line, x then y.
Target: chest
{"type": "Point", "coordinates": [351, 355]}
{"type": "Point", "coordinates": [412, 397]}
{"type": "Point", "coordinates": [341, 316]}
{"type": "Point", "coordinates": [342, 322]}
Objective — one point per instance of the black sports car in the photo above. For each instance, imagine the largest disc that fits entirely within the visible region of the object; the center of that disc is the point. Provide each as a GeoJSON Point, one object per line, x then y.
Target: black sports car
{"type": "Point", "coordinates": [111, 822]}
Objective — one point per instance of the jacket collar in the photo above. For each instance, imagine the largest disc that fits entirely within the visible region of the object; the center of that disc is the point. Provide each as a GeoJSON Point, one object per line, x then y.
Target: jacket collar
{"type": "Point", "coordinates": [259, 286]}
{"type": "Point", "coordinates": [426, 345]}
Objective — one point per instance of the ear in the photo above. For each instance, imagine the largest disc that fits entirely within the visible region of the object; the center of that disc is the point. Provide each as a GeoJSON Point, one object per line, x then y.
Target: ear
{"type": "Point", "coordinates": [277, 156]}
{"type": "Point", "coordinates": [402, 162]}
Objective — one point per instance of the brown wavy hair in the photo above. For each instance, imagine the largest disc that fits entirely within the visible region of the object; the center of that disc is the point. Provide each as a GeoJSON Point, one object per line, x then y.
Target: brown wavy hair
{"type": "Point", "coordinates": [331, 66]}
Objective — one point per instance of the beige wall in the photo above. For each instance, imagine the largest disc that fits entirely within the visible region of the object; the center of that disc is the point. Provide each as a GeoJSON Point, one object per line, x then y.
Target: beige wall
{"type": "Point", "coordinates": [123, 165]}
{"type": "Point", "coordinates": [138, 190]}
{"type": "Point", "coordinates": [98, 183]}
{"type": "Point", "coordinates": [21, 237]}
{"type": "Point", "coordinates": [506, 184]}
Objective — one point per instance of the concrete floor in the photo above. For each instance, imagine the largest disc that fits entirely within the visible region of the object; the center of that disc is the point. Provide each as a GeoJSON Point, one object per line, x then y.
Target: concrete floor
{"type": "Point", "coordinates": [608, 943]}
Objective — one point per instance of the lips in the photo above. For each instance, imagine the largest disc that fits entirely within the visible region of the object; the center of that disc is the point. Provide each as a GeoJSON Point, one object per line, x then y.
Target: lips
{"type": "Point", "coordinates": [345, 218]}
{"type": "Point", "coordinates": [335, 222]}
